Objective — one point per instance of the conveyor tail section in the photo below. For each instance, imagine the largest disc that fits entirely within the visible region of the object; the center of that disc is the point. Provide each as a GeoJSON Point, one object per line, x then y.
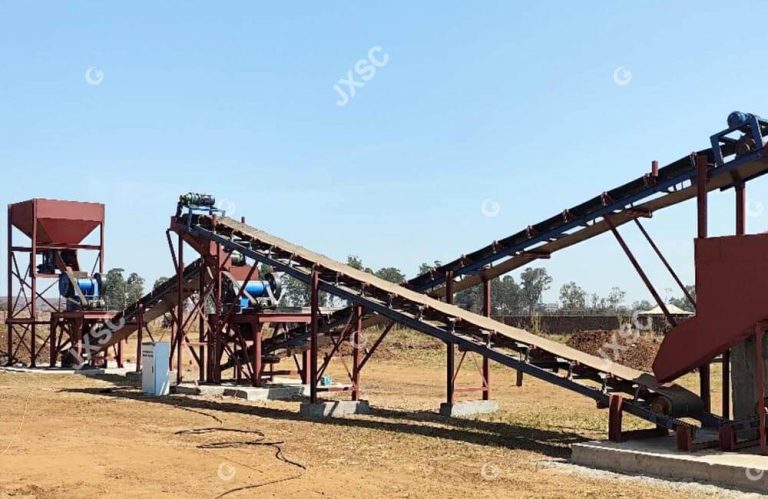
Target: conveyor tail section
{"type": "Point", "coordinates": [157, 302]}
{"type": "Point", "coordinates": [586, 374]}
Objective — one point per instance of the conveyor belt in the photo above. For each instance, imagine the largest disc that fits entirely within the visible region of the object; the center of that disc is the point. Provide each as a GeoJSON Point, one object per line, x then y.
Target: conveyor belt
{"type": "Point", "coordinates": [586, 374]}
{"type": "Point", "coordinates": [157, 302]}
{"type": "Point", "coordinates": [643, 196]}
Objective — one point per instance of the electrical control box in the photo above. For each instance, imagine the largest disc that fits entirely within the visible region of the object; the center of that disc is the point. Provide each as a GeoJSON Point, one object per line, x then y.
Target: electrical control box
{"type": "Point", "coordinates": [155, 371]}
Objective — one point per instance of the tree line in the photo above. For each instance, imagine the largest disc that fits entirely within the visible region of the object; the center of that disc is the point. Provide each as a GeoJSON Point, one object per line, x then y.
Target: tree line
{"type": "Point", "coordinates": [510, 296]}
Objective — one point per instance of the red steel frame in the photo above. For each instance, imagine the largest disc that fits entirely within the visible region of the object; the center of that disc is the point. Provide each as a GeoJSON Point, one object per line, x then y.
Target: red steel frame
{"type": "Point", "coordinates": [218, 333]}
{"type": "Point", "coordinates": [684, 437]}
{"type": "Point", "coordinates": [452, 370]}
{"type": "Point", "coordinates": [65, 225]}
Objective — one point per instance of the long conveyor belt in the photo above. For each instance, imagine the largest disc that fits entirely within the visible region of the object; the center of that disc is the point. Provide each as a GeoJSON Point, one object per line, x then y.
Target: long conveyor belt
{"type": "Point", "coordinates": [586, 374]}
{"type": "Point", "coordinates": [673, 184]}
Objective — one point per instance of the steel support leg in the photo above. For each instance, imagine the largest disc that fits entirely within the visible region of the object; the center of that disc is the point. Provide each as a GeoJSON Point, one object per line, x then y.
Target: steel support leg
{"type": "Point", "coordinates": [487, 309]}
{"type": "Point", "coordinates": [315, 307]}
{"type": "Point", "coordinates": [615, 416]}
{"type": "Point", "coordinates": [9, 296]}
{"type": "Point", "coordinates": [702, 166]}
{"type": "Point", "coordinates": [139, 335]}
{"type": "Point", "coordinates": [257, 359]}
{"type": "Point", "coordinates": [356, 347]}
{"type": "Point", "coordinates": [760, 383]}
{"type": "Point", "coordinates": [53, 341]}
{"type": "Point", "coordinates": [741, 229]}
{"type": "Point", "coordinates": [180, 311]}
{"type": "Point", "coordinates": [450, 347]}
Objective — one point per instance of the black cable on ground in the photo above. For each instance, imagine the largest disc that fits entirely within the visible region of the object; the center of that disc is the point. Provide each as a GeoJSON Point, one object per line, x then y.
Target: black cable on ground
{"type": "Point", "coordinates": [260, 441]}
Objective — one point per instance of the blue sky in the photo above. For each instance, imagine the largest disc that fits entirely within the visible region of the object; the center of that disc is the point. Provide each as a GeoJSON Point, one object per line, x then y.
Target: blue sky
{"type": "Point", "coordinates": [504, 101]}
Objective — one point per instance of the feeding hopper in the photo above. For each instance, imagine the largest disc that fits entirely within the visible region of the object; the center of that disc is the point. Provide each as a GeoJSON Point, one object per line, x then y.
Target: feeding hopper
{"type": "Point", "coordinates": [58, 222]}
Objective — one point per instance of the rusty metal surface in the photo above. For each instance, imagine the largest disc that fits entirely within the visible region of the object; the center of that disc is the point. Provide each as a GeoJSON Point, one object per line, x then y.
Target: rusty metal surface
{"type": "Point", "coordinates": [58, 222]}
{"type": "Point", "coordinates": [156, 303]}
{"type": "Point", "coordinates": [730, 300]}
{"type": "Point", "coordinates": [676, 394]}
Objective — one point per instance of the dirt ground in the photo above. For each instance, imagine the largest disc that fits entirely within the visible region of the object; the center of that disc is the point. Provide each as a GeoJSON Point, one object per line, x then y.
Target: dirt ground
{"type": "Point", "coordinates": [78, 436]}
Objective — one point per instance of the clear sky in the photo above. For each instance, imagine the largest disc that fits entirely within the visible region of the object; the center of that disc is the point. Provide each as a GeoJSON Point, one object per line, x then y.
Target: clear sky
{"type": "Point", "coordinates": [535, 106]}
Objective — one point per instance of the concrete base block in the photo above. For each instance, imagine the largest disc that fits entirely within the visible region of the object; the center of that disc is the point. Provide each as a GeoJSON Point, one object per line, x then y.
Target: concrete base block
{"type": "Point", "coordinates": [270, 392]}
{"type": "Point", "coordinates": [85, 371]}
{"type": "Point", "coordinates": [658, 457]}
{"type": "Point", "coordinates": [330, 409]}
{"type": "Point", "coordinates": [467, 408]}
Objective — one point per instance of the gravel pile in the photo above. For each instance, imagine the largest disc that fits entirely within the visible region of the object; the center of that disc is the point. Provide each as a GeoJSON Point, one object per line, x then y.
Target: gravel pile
{"type": "Point", "coordinates": [633, 351]}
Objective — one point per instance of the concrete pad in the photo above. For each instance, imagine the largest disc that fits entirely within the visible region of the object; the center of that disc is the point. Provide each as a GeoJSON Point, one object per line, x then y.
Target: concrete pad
{"type": "Point", "coordinates": [270, 392]}
{"type": "Point", "coordinates": [467, 408]}
{"type": "Point", "coordinates": [332, 409]}
{"type": "Point", "coordinates": [744, 470]}
{"type": "Point", "coordinates": [120, 371]}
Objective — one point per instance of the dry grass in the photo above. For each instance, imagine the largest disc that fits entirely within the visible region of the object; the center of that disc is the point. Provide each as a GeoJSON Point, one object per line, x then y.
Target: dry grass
{"type": "Point", "coordinates": [73, 436]}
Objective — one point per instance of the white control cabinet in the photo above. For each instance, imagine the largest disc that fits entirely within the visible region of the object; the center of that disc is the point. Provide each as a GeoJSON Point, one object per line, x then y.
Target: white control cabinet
{"type": "Point", "coordinates": [154, 368]}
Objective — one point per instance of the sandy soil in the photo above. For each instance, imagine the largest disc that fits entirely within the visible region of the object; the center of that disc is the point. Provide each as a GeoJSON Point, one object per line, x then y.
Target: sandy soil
{"type": "Point", "coordinates": [77, 436]}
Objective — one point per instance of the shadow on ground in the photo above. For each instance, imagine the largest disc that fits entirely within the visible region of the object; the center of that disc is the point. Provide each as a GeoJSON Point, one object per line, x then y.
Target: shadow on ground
{"type": "Point", "coordinates": [421, 423]}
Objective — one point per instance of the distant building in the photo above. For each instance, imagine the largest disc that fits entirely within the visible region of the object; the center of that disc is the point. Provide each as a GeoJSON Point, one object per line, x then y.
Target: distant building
{"type": "Point", "coordinates": [547, 308]}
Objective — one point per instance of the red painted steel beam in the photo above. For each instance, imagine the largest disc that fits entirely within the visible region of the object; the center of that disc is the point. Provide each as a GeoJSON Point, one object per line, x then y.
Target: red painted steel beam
{"type": "Point", "coordinates": [487, 310]}
{"type": "Point", "coordinates": [449, 347]}
{"type": "Point", "coordinates": [760, 382]}
{"type": "Point", "coordinates": [702, 177]}
{"type": "Point", "coordinates": [641, 272]}
{"type": "Point", "coordinates": [665, 262]}
{"type": "Point", "coordinates": [180, 310]}
{"type": "Point", "coordinates": [315, 307]}
{"type": "Point", "coordinates": [11, 301]}
{"type": "Point", "coordinates": [356, 352]}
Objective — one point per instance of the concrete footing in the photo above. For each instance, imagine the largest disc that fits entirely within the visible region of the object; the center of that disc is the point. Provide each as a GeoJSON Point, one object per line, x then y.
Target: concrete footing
{"type": "Point", "coordinates": [85, 371]}
{"type": "Point", "coordinates": [336, 408]}
{"type": "Point", "coordinates": [658, 457]}
{"type": "Point", "coordinates": [270, 392]}
{"type": "Point", "coordinates": [467, 408]}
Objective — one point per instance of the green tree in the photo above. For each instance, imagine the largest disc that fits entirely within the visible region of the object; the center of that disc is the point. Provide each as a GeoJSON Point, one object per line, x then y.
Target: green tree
{"type": "Point", "coordinates": [298, 294]}
{"type": "Point", "coordinates": [356, 263]}
{"type": "Point", "coordinates": [159, 282]}
{"type": "Point", "coordinates": [114, 289]}
{"type": "Point", "coordinates": [391, 274]}
{"type": "Point", "coordinates": [642, 305]}
{"type": "Point", "coordinates": [615, 299]}
{"type": "Point", "coordinates": [134, 288]}
{"type": "Point", "coordinates": [683, 302]}
{"type": "Point", "coordinates": [427, 267]}
{"type": "Point", "coordinates": [506, 296]}
{"type": "Point", "coordinates": [534, 281]}
{"type": "Point", "coordinates": [573, 298]}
